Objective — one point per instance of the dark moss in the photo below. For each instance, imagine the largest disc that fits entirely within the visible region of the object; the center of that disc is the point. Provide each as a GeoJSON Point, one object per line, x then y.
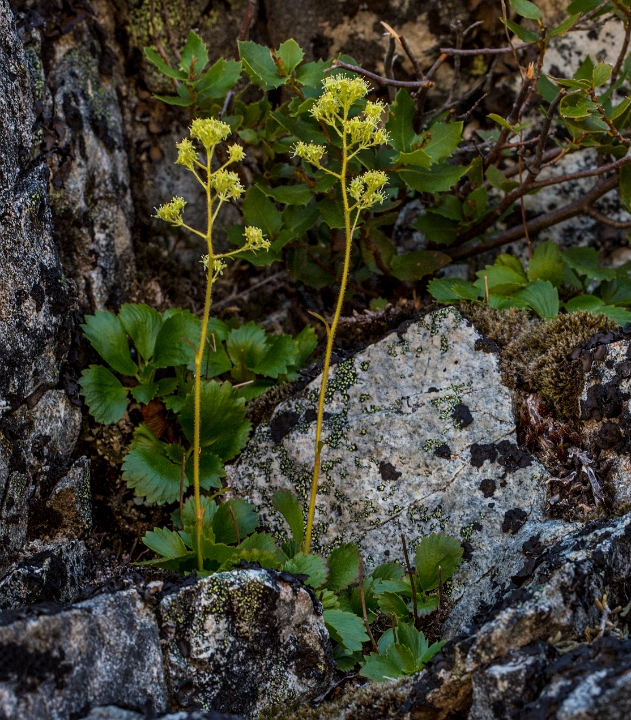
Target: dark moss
{"type": "Point", "coordinates": [535, 353]}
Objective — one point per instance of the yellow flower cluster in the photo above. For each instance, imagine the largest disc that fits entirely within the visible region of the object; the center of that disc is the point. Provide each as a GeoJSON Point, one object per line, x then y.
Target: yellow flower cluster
{"type": "Point", "coordinates": [172, 211]}
{"type": "Point", "coordinates": [226, 184]}
{"type": "Point", "coordinates": [235, 153]}
{"type": "Point", "coordinates": [187, 155]}
{"type": "Point", "coordinates": [209, 132]}
{"type": "Point", "coordinates": [254, 239]}
{"type": "Point", "coordinates": [340, 92]}
{"type": "Point", "coordinates": [366, 189]}
{"type": "Point", "coordinates": [310, 152]}
{"type": "Point", "coordinates": [333, 107]}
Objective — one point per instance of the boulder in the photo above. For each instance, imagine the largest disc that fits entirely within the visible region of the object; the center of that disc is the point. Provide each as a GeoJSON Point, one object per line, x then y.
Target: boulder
{"type": "Point", "coordinates": [243, 642]}
{"type": "Point", "coordinates": [419, 438]}
{"type": "Point", "coordinates": [57, 663]}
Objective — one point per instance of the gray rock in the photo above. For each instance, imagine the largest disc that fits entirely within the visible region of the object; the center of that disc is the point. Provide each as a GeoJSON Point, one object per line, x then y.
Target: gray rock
{"type": "Point", "coordinates": [592, 682]}
{"type": "Point", "coordinates": [54, 573]}
{"type": "Point", "coordinates": [419, 438]}
{"type": "Point", "coordinates": [77, 81]}
{"type": "Point", "coordinates": [509, 664]}
{"type": "Point", "coordinates": [606, 415]}
{"type": "Point", "coordinates": [35, 442]}
{"type": "Point", "coordinates": [70, 500]}
{"type": "Point", "coordinates": [104, 651]}
{"type": "Point", "coordinates": [243, 642]}
{"type": "Point", "coordinates": [111, 712]}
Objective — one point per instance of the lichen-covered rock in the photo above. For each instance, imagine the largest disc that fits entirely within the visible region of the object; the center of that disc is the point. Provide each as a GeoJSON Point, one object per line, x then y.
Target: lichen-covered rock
{"type": "Point", "coordinates": [606, 416]}
{"type": "Point", "coordinates": [70, 500]}
{"type": "Point", "coordinates": [54, 573]}
{"type": "Point", "coordinates": [591, 682]}
{"type": "Point", "coordinates": [243, 642]}
{"type": "Point", "coordinates": [56, 664]}
{"type": "Point", "coordinates": [33, 294]}
{"type": "Point", "coordinates": [419, 438]}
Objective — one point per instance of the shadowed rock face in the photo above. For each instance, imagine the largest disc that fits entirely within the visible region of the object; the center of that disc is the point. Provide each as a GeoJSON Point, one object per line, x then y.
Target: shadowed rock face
{"type": "Point", "coordinates": [39, 423]}
{"type": "Point", "coordinates": [100, 652]}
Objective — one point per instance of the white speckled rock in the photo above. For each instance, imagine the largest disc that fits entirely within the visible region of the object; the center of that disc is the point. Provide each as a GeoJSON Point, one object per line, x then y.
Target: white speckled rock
{"type": "Point", "coordinates": [420, 438]}
{"type": "Point", "coordinates": [244, 641]}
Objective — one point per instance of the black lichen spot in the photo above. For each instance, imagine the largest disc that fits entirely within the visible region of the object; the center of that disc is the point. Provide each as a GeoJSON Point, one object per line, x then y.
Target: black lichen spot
{"type": "Point", "coordinates": [623, 369]}
{"type": "Point", "coordinates": [432, 389]}
{"type": "Point", "coordinates": [511, 457]}
{"type": "Point", "coordinates": [514, 520]}
{"type": "Point", "coordinates": [488, 487]}
{"type": "Point", "coordinates": [388, 471]}
{"type": "Point", "coordinates": [282, 424]}
{"type": "Point", "coordinates": [525, 572]}
{"type": "Point", "coordinates": [461, 415]}
{"type": "Point", "coordinates": [480, 453]}
{"type": "Point", "coordinates": [443, 451]}
{"type": "Point", "coordinates": [603, 400]}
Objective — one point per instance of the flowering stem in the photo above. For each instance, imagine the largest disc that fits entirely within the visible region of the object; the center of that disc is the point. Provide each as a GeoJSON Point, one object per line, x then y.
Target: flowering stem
{"type": "Point", "coordinates": [329, 344]}
{"type": "Point", "coordinates": [199, 356]}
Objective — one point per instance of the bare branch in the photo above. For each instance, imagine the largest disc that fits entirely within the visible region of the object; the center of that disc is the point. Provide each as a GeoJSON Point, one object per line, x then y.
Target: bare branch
{"type": "Point", "coordinates": [485, 51]}
{"type": "Point", "coordinates": [617, 224]}
{"type": "Point", "coordinates": [248, 16]}
{"type": "Point", "coordinates": [534, 168]}
{"type": "Point", "coordinates": [420, 75]}
{"type": "Point", "coordinates": [579, 207]}
{"type": "Point", "coordinates": [378, 78]}
{"type": "Point", "coordinates": [388, 63]}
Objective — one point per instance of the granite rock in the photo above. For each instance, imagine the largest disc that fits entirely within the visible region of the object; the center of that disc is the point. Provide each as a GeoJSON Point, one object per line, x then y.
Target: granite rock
{"type": "Point", "coordinates": [419, 437]}
{"type": "Point", "coordinates": [57, 663]}
{"type": "Point", "coordinates": [243, 642]}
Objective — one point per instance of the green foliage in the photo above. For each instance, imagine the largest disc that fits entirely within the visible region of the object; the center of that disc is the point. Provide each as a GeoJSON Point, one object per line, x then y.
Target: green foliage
{"type": "Point", "coordinates": [163, 345]}
{"type": "Point", "coordinates": [406, 655]}
{"type": "Point", "coordinates": [550, 270]}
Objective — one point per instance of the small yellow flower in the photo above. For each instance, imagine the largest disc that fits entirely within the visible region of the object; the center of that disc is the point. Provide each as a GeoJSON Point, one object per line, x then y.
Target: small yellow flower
{"type": "Point", "coordinates": [365, 189]}
{"type": "Point", "coordinates": [186, 154]}
{"type": "Point", "coordinates": [209, 132]}
{"type": "Point", "coordinates": [310, 152]}
{"type": "Point", "coordinates": [172, 211]}
{"type": "Point", "coordinates": [218, 267]}
{"type": "Point", "coordinates": [254, 239]}
{"type": "Point", "coordinates": [235, 153]}
{"type": "Point", "coordinates": [226, 184]}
